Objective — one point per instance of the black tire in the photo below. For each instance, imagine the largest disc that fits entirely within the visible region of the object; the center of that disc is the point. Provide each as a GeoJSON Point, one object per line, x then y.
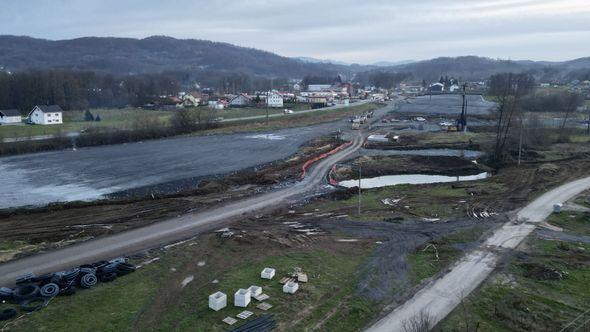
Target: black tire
{"type": "Point", "coordinates": [25, 292]}
{"type": "Point", "coordinates": [108, 277]}
{"type": "Point", "coordinates": [111, 268]}
{"type": "Point", "coordinates": [86, 270]}
{"type": "Point", "coordinates": [5, 294]}
{"type": "Point", "coordinates": [33, 304]}
{"type": "Point", "coordinates": [99, 264]}
{"type": "Point", "coordinates": [88, 280]}
{"type": "Point", "coordinates": [43, 279]}
{"type": "Point", "coordinates": [71, 290]}
{"type": "Point", "coordinates": [118, 261]}
{"type": "Point", "coordinates": [7, 313]}
{"type": "Point", "coordinates": [49, 290]}
{"type": "Point", "coordinates": [125, 268]}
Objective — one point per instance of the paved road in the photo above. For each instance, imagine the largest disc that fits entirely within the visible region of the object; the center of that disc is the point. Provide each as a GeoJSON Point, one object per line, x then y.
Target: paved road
{"type": "Point", "coordinates": [167, 231]}
{"type": "Point", "coordinates": [277, 115]}
{"type": "Point", "coordinates": [441, 296]}
{"type": "Point", "coordinates": [91, 173]}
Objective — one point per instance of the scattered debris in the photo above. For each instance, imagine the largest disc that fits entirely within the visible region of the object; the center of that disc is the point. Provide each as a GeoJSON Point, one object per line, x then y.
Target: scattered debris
{"type": "Point", "coordinates": [302, 277]}
{"type": "Point", "coordinates": [186, 281]}
{"type": "Point", "coordinates": [550, 227]}
{"type": "Point", "coordinates": [391, 201]}
{"type": "Point", "coordinates": [286, 280]}
{"type": "Point", "coordinates": [264, 306]}
{"type": "Point", "coordinates": [245, 314]}
{"type": "Point", "coordinates": [347, 240]}
{"type": "Point", "coordinates": [218, 301]}
{"type": "Point", "coordinates": [261, 297]}
{"type": "Point", "coordinates": [177, 244]}
{"type": "Point", "coordinates": [255, 291]}
{"type": "Point", "coordinates": [242, 298]}
{"type": "Point", "coordinates": [267, 273]}
{"type": "Point", "coordinates": [150, 261]}
{"type": "Point", "coordinates": [229, 320]}
{"type": "Point", "coordinates": [290, 287]}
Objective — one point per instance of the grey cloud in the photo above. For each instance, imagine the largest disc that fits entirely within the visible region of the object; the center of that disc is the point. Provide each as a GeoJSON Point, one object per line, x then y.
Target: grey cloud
{"type": "Point", "coordinates": [349, 30]}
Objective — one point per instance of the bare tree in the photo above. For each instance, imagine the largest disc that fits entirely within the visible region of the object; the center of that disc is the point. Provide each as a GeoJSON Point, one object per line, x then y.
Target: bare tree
{"type": "Point", "coordinates": [421, 322]}
{"type": "Point", "coordinates": [513, 87]}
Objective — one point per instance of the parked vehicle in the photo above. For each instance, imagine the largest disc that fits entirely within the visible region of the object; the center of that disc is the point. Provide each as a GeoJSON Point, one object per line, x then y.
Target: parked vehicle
{"type": "Point", "coordinates": [286, 111]}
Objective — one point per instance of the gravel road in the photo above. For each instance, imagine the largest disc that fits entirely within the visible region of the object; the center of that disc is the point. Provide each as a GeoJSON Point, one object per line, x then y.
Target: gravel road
{"type": "Point", "coordinates": [438, 298]}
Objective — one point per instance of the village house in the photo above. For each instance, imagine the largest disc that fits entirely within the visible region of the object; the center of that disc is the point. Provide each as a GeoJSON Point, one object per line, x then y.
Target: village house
{"type": "Point", "coordinates": [436, 87]}
{"type": "Point", "coordinates": [274, 99]}
{"type": "Point", "coordinates": [454, 88]}
{"type": "Point", "coordinates": [46, 115]}
{"type": "Point", "coordinates": [10, 117]}
{"type": "Point", "coordinates": [217, 104]}
{"type": "Point", "coordinates": [192, 99]}
{"type": "Point", "coordinates": [241, 100]}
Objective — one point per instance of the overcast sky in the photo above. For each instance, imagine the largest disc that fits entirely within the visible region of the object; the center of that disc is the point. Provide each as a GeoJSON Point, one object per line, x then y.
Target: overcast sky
{"type": "Point", "coordinates": [352, 31]}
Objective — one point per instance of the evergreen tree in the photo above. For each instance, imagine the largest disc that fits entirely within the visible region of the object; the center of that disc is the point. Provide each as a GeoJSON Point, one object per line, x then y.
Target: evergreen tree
{"type": "Point", "coordinates": [88, 116]}
{"type": "Point", "coordinates": [97, 119]}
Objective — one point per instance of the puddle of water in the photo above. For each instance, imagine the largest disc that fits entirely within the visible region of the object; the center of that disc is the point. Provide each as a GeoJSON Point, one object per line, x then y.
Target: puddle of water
{"type": "Point", "coordinates": [392, 180]}
{"type": "Point", "coordinates": [272, 137]}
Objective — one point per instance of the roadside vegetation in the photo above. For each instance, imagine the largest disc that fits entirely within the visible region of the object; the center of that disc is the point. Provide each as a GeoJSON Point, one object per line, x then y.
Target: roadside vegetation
{"type": "Point", "coordinates": [544, 286]}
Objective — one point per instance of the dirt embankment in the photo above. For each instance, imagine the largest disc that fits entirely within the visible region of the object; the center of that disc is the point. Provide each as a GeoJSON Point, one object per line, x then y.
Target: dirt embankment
{"type": "Point", "coordinates": [25, 231]}
{"type": "Point", "coordinates": [391, 165]}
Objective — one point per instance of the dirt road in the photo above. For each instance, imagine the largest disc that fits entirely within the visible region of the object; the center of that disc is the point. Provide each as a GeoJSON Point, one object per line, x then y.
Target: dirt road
{"type": "Point", "coordinates": [172, 230]}
{"type": "Point", "coordinates": [441, 296]}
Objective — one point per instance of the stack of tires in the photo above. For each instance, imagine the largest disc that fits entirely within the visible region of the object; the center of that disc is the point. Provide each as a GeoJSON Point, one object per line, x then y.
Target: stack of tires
{"type": "Point", "coordinates": [33, 293]}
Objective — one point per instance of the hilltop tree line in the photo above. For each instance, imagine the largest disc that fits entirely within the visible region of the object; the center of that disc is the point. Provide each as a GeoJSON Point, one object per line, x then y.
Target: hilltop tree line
{"type": "Point", "coordinates": [81, 90]}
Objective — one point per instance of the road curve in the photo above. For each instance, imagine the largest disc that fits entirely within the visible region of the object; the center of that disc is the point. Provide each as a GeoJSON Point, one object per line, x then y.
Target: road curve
{"type": "Point", "coordinates": [438, 298]}
{"type": "Point", "coordinates": [174, 229]}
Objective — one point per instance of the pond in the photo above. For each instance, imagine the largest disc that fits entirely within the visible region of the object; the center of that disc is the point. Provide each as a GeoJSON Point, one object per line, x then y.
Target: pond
{"type": "Point", "coordinates": [469, 154]}
{"type": "Point", "coordinates": [392, 180]}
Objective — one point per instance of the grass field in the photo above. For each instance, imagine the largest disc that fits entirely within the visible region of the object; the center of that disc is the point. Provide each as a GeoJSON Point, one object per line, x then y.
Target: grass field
{"type": "Point", "coordinates": [544, 287]}
{"type": "Point", "coordinates": [130, 118]}
{"type": "Point", "coordinates": [152, 298]}
{"type": "Point", "coordinates": [74, 122]}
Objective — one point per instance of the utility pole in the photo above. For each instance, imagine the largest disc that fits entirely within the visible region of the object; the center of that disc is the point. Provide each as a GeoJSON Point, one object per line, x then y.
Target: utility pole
{"type": "Point", "coordinates": [520, 142]}
{"type": "Point", "coordinates": [360, 174]}
{"type": "Point", "coordinates": [267, 114]}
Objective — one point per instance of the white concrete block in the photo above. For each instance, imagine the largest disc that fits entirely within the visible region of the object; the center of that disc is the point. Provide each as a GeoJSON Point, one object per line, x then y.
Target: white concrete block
{"type": "Point", "coordinates": [255, 290]}
{"type": "Point", "coordinates": [242, 298]}
{"type": "Point", "coordinates": [291, 287]}
{"type": "Point", "coordinates": [267, 273]}
{"type": "Point", "coordinates": [217, 301]}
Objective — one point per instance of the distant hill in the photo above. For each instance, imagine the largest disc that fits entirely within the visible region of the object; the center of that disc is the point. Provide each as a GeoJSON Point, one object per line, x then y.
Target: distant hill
{"type": "Point", "coordinates": [475, 68]}
{"type": "Point", "coordinates": [150, 55]}
{"type": "Point", "coordinates": [392, 63]}
{"type": "Point", "coordinates": [157, 54]}
{"type": "Point", "coordinates": [314, 60]}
